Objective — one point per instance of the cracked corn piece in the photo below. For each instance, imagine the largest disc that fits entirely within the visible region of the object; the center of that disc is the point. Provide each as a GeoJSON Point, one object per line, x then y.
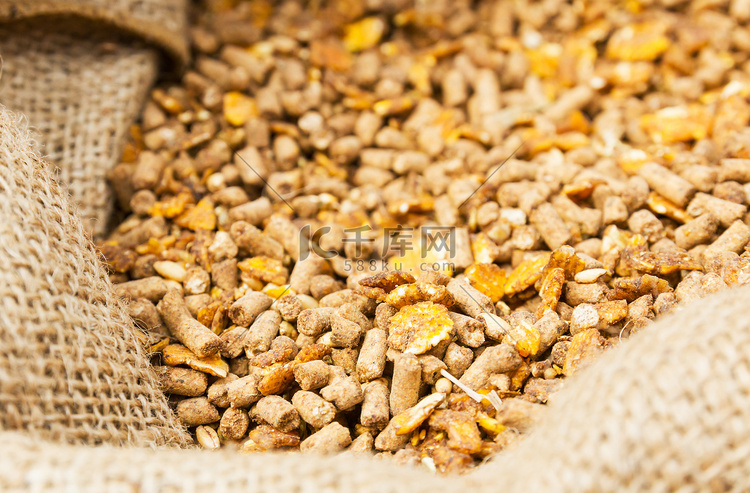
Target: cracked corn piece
{"type": "Point", "coordinates": [418, 328]}
{"type": "Point", "coordinates": [489, 279]}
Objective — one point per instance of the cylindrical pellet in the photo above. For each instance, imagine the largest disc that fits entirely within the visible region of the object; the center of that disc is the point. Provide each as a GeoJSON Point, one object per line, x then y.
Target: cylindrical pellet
{"type": "Point", "coordinates": [407, 378]}
{"type": "Point", "coordinates": [371, 361]}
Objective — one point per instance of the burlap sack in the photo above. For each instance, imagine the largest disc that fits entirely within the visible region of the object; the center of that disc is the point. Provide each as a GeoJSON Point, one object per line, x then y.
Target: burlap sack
{"type": "Point", "coordinates": [80, 88]}
{"type": "Point", "coordinates": [667, 410]}
{"type": "Point", "coordinates": [71, 368]}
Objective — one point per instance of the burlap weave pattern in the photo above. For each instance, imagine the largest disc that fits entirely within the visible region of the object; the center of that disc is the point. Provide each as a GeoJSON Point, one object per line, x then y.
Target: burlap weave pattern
{"type": "Point", "coordinates": [81, 97]}
{"type": "Point", "coordinates": [64, 69]}
{"type": "Point", "coordinates": [71, 368]}
{"type": "Point", "coordinates": [161, 22]}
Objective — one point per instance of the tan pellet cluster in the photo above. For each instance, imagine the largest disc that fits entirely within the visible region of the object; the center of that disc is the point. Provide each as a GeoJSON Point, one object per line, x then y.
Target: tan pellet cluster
{"type": "Point", "coordinates": [586, 167]}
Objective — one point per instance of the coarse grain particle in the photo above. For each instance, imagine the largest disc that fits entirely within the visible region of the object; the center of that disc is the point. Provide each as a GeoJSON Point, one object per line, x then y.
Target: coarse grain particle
{"type": "Point", "coordinates": [495, 359]}
{"type": "Point", "coordinates": [197, 411]}
{"type": "Point", "coordinates": [331, 438]}
{"type": "Point", "coordinates": [468, 299]}
{"type": "Point", "coordinates": [668, 184]}
{"type": "Point", "coordinates": [194, 335]}
{"type": "Point", "coordinates": [733, 239]}
{"type": "Point", "coordinates": [182, 381]}
{"type": "Point", "coordinates": [243, 391]}
{"type": "Point", "coordinates": [343, 391]}
{"type": "Point", "coordinates": [469, 331]}
{"type": "Point", "coordinates": [277, 412]}
{"type": "Point", "coordinates": [244, 311]}
{"type": "Point", "coordinates": [311, 375]}
{"type": "Point", "coordinates": [234, 423]}
{"type": "Point", "coordinates": [550, 225]}
{"type": "Point", "coordinates": [407, 376]}
{"type": "Point", "coordinates": [372, 355]}
{"type": "Point", "coordinates": [151, 288]}
{"type": "Point", "coordinates": [262, 332]}
{"type": "Point", "coordinates": [313, 409]}
{"type": "Point", "coordinates": [576, 293]}
{"type": "Point", "coordinates": [724, 211]}
{"type": "Point", "coordinates": [375, 411]}
{"type": "Point", "coordinates": [217, 392]}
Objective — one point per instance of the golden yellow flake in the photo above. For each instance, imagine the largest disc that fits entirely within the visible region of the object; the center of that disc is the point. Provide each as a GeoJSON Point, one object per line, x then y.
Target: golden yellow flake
{"type": "Point", "coordinates": [202, 216]}
{"type": "Point", "coordinates": [239, 108]}
{"type": "Point", "coordinates": [489, 279]}
{"type": "Point", "coordinates": [177, 354]}
{"type": "Point", "coordinates": [418, 328]}
{"type": "Point", "coordinates": [364, 34]}
{"type": "Point", "coordinates": [526, 274]}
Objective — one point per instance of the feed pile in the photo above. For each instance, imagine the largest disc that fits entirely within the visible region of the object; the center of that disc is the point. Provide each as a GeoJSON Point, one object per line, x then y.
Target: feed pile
{"type": "Point", "coordinates": [378, 226]}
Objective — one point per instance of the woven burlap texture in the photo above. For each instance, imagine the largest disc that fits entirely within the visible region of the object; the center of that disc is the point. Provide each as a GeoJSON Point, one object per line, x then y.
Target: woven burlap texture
{"type": "Point", "coordinates": [71, 369]}
{"type": "Point", "coordinates": [81, 89]}
{"type": "Point", "coordinates": [161, 22]}
{"type": "Point", "coordinates": [81, 99]}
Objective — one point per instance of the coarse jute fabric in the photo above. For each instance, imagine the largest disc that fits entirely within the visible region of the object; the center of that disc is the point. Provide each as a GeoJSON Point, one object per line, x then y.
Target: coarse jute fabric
{"type": "Point", "coordinates": [71, 368]}
{"type": "Point", "coordinates": [163, 23]}
{"type": "Point", "coordinates": [66, 70]}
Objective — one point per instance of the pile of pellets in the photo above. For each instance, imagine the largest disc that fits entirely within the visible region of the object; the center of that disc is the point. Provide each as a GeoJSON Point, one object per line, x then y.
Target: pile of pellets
{"type": "Point", "coordinates": [396, 228]}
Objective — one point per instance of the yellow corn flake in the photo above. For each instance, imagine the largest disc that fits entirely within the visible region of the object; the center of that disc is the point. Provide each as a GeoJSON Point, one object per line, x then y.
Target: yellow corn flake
{"type": "Point", "coordinates": [156, 246]}
{"type": "Point", "coordinates": [417, 328]}
{"type": "Point", "coordinates": [519, 376]}
{"type": "Point", "coordinates": [677, 124]}
{"type": "Point", "coordinates": [275, 291]}
{"type": "Point", "coordinates": [545, 59]}
{"type": "Point", "coordinates": [581, 190]}
{"type": "Point", "coordinates": [488, 279]}
{"type": "Point", "coordinates": [565, 258]}
{"type": "Point", "coordinates": [526, 274]}
{"type": "Point", "coordinates": [571, 140]}
{"type": "Point", "coordinates": [575, 122]}
{"type": "Point", "coordinates": [202, 216]}
{"type": "Point", "coordinates": [173, 206]}
{"type": "Point", "coordinates": [491, 425]}
{"type": "Point", "coordinates": [207, 313]}
{"type": "Point", "coordinates": [584, 348]}
{"type": "Point", "coordinates": [159, 346]}
{"type": "Point", "coordinates": [466, 131]}
{"type": "Point", "coordinates": [551, 289]}
{"type": "Point", "coordinates": [395, 106]}
{"type": "Point", "coordinates": [638, 42]}
{"type": "Point", "coordinates": [540, 144]}
{"type": "Point", "coordinates": [631, 160]}
{"type": "Point", "coordinates": [412, 418]}
{"type": "Point", "coordinates": [264, 268]}
{"type": "Point", "coordinates": [483, 248]}
{"type": "Point", "coordinates": [239, 108]}
{"type": "Point", "coordinates": [363, 34]}
{"type": "Point", "coordinates": [419, 75]}
{"type": "Point", "coordinates": [408, 294]}
{"type": "Point", "coordinates": [660, 205]}
{"type": "Point", "coordinates": [661, 263]}
{"type": "Point", "coordinates": [611, 312]}
{"type": "Point", "coordinates": [177, 354]}
{"type": "Point", "coordinates": [423, 203]}
{"type": "Point", "coordinates": [526, 338]}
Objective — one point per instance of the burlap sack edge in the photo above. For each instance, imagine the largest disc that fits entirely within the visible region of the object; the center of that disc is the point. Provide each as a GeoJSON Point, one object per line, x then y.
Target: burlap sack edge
{"type": "Point", "coordinates": [173, 42]}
